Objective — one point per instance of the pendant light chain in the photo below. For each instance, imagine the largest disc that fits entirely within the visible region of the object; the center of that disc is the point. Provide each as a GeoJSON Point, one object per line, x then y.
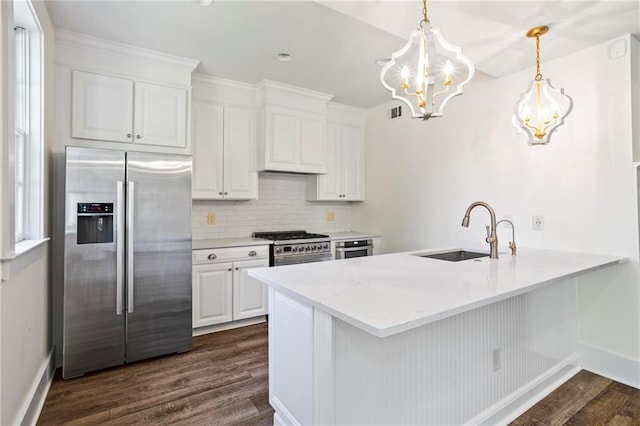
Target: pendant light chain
{"type": "Point", "coordinates": [424, 11]}
{"type": "Point", "coordinates": [538, 73]}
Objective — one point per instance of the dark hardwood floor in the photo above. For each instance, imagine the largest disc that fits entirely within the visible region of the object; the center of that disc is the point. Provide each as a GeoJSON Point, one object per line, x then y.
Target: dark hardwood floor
{"type": "Point", "coordinates": [224, 381]}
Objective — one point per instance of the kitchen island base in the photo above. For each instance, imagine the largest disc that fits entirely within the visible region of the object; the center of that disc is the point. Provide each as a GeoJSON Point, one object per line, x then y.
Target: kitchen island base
{"type": "Point", "coordinates": [488, 364]}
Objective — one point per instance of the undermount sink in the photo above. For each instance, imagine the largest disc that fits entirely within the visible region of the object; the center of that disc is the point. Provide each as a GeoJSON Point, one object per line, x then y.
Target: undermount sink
{"type": "Point", "coordinates": [455, 256]}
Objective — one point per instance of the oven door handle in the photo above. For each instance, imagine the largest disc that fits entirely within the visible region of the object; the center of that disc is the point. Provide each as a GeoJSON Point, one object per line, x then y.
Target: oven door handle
{"type": "Point", "coordinates": [342, 249]}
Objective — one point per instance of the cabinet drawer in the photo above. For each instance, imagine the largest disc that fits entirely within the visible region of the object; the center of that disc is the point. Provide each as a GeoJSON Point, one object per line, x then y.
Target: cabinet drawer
{"type": "Point", "coordinates": [229, 254]}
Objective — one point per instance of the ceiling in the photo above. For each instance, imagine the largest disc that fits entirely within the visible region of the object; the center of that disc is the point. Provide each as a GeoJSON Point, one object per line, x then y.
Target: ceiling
{"type": "Point", "coordinates": [335, 43]}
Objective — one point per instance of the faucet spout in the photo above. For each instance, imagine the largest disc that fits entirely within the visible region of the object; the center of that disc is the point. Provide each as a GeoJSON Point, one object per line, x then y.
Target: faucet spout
{"type": "Point", "coordinates": [492, 236]}
{"type": "Point", "coordinates": [512, 243]}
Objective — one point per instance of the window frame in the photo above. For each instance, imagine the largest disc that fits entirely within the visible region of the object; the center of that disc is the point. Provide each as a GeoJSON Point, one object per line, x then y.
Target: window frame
{"type": "Point", "coordinates": [17, 241]}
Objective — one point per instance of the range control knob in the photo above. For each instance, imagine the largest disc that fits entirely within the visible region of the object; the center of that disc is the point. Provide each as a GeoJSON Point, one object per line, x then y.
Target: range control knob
{"type": "Point", "coordinates": [307, 248]}
{"type": "Point", "coordinates": [294, 249]}
{"type": "Point", "coordinates": [326, 246]}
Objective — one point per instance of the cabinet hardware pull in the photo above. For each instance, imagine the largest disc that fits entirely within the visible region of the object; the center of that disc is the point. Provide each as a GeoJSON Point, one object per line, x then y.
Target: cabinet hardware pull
{"type": "Point", "coordinates": [129, 135]}
{"type": "Point", "coordinates": [225, 193]}
{"type": "Point", "coordinates": [230, 269]}
{"type": "Point", "coordinates": [212, 256]}
{"type": "Point", "coordinates": [253, 253]}
{"type": "Point", "coordinates": [138, 137]}
{"type": "Point", "coordinates": [236, 269]}
{"type": "Point", "coordinates": [219, 193]}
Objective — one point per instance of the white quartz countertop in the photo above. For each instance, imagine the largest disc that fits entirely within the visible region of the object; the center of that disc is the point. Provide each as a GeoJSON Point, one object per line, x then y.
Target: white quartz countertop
{"type": "Point", "coordinates": [350, 235]}
{"type": "Point", "coordinates": [213, 243]}
{"type": "Point", "coordinates": [392, 293]}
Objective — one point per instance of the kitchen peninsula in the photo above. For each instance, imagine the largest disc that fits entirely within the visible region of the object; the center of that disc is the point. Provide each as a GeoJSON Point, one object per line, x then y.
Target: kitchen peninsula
{"type": "Point", "coordinates": [404, 339]}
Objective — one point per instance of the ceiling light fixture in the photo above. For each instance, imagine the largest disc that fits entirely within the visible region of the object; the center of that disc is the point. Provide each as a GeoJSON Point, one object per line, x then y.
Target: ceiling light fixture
{"type": "Point", "coordinates": [283, 56]}
{"type": "Point", "coordinates": [427, 72]}
{"type": "Point", "coordinates": [542, 108]}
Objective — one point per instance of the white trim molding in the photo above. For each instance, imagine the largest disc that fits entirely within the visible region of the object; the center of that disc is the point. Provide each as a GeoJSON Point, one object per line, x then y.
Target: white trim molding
{"type": "Point", "coordinates": [32, 405]}
{"type": "Point", "coordinates": [610, 365]}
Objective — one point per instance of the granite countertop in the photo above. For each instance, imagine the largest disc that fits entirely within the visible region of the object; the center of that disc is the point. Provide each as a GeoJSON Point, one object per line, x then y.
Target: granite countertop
{"type": "Point", "coordinates": [392, 293]}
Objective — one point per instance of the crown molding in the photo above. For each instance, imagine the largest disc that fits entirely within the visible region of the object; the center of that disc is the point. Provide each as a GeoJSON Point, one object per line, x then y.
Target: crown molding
{"type": "Point", "coordinates": [79, 40]}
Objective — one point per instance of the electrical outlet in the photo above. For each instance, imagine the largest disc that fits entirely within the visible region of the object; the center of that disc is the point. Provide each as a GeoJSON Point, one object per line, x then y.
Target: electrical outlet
{"type": "Point", "coordinates": [211, 218]}
{"type": "Point", "coordinates": [331, 216]}
{"type": "Point", "coordinates": [538, 222]}
{"type": "Point", "coordinates": [497, 359]}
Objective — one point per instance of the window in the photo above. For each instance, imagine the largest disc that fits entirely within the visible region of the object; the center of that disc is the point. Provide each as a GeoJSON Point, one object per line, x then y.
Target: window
{"type": "Point", "coordinates": [28, 149]}
{"type": "Point", "coordinates": [21, 130]}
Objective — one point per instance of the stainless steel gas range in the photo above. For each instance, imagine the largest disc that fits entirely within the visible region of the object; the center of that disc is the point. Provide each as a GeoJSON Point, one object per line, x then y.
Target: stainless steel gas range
{"type": "Point", "coordinates": [293, 247]}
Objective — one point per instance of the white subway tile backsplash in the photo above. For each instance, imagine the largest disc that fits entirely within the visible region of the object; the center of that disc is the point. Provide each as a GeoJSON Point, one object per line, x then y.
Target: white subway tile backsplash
{"type": "Point", "coordinates": [282, 204]}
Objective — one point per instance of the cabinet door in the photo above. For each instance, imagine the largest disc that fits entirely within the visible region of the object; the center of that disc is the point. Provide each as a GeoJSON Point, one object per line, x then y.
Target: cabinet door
{"type": "Point", "coordinates": [212, 294]}
{"type": "Point", "coordinates": [313, 152]}
{"type": "Point", "coordinates": [329, 185]}
{"type": "Point", "coordinates": [352, 163]}
{"type": "Point", "coordinates": [208, 151]}
{"type": "Point", "coordinates": [240, 176]}
{"type": "Point", "coordinates": [283, 137]}
{"type": "Point", "coordinates": [160, 115]}
{"type": "Point", "coordinates": [102, 107]}
{"type": "Point", "coordinates": [249, 295]}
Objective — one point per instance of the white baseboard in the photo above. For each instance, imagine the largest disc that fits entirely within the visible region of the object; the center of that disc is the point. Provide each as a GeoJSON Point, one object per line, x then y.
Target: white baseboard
{"type": "Point", "coordinates": [33, 403]}
{"type": "Point", "coordinates": [513, 406]}
{"type": "Point", "coordinates": [228, 325]}
{"type": "Point", "coordinates": [612, 366]}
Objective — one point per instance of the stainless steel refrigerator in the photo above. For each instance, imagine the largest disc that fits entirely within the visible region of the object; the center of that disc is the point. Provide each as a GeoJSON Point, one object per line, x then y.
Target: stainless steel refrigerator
{"type": "Point", "coordinates": [127, 253]}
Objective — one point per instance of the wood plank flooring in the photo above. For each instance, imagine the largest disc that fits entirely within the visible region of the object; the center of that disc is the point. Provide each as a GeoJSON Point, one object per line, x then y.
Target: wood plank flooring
{"type": "Point", "coordinates": [224, 381]}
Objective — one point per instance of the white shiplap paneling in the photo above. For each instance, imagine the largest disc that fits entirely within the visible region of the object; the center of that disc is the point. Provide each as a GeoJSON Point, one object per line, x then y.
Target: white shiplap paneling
{"type": "Point", "coordinates": [442, 373]}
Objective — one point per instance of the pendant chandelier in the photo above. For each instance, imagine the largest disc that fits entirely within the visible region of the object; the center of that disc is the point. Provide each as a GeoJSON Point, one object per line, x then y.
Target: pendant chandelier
{"type": "Point", "coordinates": [542, 108]}
{"type": "Point", "coordinates": [427, 72]}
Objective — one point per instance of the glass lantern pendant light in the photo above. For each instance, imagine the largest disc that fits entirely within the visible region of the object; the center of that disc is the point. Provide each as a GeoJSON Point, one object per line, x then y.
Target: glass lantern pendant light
{"type": "Point", "coordinates": [542, 108]}
{"type": "Point", "coordinates": [427, 72]}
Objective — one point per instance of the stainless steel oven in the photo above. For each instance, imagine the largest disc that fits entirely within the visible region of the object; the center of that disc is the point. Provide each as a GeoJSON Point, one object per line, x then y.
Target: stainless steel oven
{"type": "Point", "coordinates": [354, 248]}
{"type": "Point", "coordinates": [293, 247]}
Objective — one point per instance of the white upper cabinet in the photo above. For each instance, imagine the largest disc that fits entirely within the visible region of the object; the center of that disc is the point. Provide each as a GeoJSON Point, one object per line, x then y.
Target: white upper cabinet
{"type": "Point", "coordinates": [291, 129]}
{"type": "Point", "coordinates": [102, 107]}
{"type": "Point", "coordinates": [160, 116]}
{"type": "Point", "coordinates": [224, 152]}
{"type": "Point", "coordinates": [344, 180]}
{"type": "Point", "coordinates": [121, 110]}
{"type": "Point", "coordinates": [208, 150]}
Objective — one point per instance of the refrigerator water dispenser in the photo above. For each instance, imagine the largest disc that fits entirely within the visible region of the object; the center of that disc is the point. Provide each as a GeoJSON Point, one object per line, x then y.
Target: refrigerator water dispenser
{"type": "Point", "coordinates": [95, 223]}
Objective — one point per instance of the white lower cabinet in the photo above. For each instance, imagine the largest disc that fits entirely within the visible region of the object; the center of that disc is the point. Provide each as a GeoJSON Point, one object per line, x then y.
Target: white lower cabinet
{"type": "Point", "coordinates": [249, 295]}
{"type": "Point", "coordinates": [223, 291]}
{"type": "Point", "coordinates": [212, 294]}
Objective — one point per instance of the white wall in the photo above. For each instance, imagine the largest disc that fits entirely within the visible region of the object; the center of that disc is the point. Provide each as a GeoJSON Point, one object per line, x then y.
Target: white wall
{"type": "Point", "coordinates": [421, 176]}
{"type": "Point", "coordinates": [281, 204]}
{"type": "Point", "coordinates": [26, 337]}
{"type": "Point", "coordinates": [25, 298]}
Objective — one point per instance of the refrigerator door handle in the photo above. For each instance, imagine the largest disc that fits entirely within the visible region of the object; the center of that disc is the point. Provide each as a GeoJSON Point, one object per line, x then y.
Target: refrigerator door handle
{"type": "Point", "coordinates": [130, 230]}
{"type": "Point", "coordinates": [119, 248]}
